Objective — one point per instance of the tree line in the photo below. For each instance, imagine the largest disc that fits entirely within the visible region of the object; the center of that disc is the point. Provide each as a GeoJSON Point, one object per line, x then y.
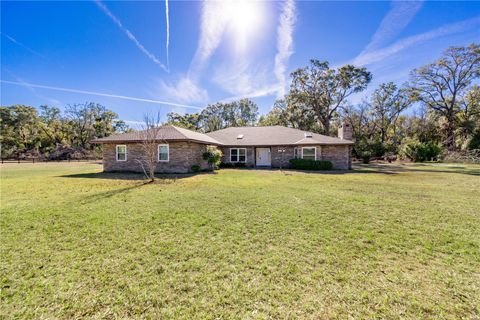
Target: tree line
{"type": "Point", "coordinates": [437, 110]}
{"type": "Point", "coordinates": [50, 133]}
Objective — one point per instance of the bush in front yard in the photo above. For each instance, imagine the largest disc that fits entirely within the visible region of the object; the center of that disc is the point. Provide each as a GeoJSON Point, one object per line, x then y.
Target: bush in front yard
{"type": "Point", "coordinates": [213, 156]}
{"type": "Point", "coordinates": [304, 164]}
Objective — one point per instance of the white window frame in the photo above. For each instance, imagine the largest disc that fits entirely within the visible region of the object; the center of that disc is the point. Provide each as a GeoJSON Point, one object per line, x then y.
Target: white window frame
{"type": "Point", "coordinates": [168, 152]}
{"type": "Point", "coordinates": [116, 151]}
{"type": "Point", "coordinates": [310, 148]}
{"type": "Point", "coordinates": [238, 155]}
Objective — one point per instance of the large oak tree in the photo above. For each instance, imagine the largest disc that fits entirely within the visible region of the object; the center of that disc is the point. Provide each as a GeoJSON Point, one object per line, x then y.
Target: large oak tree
{"type": "Point", "coordinates": [320, 90]}
{"type": "Point", "coordinates": [442, 85]}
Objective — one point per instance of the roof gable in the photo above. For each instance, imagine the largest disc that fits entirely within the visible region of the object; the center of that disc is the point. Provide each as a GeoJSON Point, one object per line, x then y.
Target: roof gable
{"type": "Point", "coordinates": [166, 133]}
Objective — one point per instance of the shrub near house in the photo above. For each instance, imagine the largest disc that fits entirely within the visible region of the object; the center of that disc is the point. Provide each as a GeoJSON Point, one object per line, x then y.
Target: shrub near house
{"type": "Point", "coordinates": [304, 164]}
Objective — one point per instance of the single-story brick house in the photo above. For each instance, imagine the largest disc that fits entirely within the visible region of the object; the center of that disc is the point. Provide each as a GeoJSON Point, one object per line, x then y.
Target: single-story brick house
{"type": "Point", "coordinates": [271, 146]}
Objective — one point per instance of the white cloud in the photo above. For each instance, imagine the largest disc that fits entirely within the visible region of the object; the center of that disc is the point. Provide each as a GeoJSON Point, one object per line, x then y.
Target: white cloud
{"type": "Point", "coordinates": [167, 43]}
{"type": "Point", "coordinates": [173, 104]}
{"type": "Point", "coordinates": [212, 27]}
{"type": "Point", "coordinates": [238, 24]}
{"type": "Point", "coordinates": [237, 75]}
{"type": "Point", "coordinates": [240, 76]}
{"type": "Point", "coordinates": [244, 79]}
{"type": "Point", "coordinates": [284, 43]}
{"type": "Point", "coordinates": [399, 16]}
{"type": "Point", "coordinates": [381, 54]}
{"type": "Point", "coordinates": [184, 91]}
{"type": "Point", "coordinates": [260, 92]}
{"type": "Point", "coordinates": [20, 81]}
{"type": "Point", "coordinates": [241, 20]}
{"type": "Point", "coordinates": [130, 35]}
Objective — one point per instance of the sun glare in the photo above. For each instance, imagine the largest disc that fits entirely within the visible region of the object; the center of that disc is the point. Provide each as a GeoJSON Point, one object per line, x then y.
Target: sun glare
{"type": "Point", "coordinates": [246, 19]}
{"type": "Point", "coordinates": [246, 16]}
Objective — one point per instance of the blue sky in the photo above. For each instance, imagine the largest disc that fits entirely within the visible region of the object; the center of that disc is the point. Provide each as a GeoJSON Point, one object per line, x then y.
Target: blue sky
{"type": "Point", "coordinates": [139, 57]}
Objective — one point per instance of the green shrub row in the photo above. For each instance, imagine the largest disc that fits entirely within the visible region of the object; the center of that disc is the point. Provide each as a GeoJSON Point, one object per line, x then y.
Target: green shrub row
{"type": "Point", "coordinates": [232, 165]}
{"type": "Point", "coordinates": [304, 164]}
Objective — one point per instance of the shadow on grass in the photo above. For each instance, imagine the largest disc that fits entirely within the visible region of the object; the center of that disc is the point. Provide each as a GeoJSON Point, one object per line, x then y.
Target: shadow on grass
{"type": "Point", "coordinates": [133, 175]}
{"type": "Point", "coordinates": [415, 167]}
{"type": "Point", "coordinates": [111, 193]}
{"type": "Point", "coordinates": [137, 179]}
{"type": "Point", "coordinates": [391, 169]}
{"type": "Point", "coordinates": [378, 168]}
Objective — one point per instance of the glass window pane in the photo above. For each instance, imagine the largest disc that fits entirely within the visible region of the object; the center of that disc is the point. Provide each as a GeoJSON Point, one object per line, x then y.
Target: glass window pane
{"type": "Point", "coordinates": [163, 156]}
{"type": "Point", "coordinates": [121, 153]}
{"type": "Point", "coordinates": [233, 155]}
{"type": "Point", "coordinates": [241, 152]}
{"type": "Point", "coordinates": [163, 153]}
{"type": "Point", "coordinates": [241, 158]}
{"type": "Point", "coordinates": [309, 153]}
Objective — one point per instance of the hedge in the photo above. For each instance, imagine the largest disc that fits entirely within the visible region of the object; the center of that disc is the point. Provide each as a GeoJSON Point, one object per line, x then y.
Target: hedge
{"type": "Point", "coordinates": [226, 165]}
{"type": "Point", "coordinates": [304, 164]}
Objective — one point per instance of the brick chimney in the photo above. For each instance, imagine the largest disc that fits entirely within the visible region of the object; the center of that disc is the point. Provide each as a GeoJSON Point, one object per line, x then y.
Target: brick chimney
{"type": "Point", "coordinates": [345, 131]}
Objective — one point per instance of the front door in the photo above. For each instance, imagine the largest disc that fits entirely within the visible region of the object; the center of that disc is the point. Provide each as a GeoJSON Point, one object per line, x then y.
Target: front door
{"type": "Point", "coordinates": [263, 157]}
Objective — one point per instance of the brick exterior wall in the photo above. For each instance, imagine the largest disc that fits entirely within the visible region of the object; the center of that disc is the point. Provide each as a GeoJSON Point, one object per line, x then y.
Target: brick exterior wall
{"type": "Point", "coordinates": [183, 155]}
{"type": "Point", "coordinates": [277, 156]}
{"type": "Point", "coordinates": [339, 155]}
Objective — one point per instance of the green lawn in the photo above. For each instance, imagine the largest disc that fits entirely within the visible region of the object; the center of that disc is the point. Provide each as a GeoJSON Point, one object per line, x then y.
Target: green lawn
{"type": "Point", "coordinates": [382, 241]}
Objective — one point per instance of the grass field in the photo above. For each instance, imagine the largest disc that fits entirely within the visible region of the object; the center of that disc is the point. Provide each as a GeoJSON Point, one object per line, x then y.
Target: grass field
{"type": "Point", "coordinates": [383, 241]}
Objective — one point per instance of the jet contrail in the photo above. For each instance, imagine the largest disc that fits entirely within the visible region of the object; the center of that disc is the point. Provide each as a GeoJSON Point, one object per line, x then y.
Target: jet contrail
{"type": "Point", "coordinates": [25, 84]}
{"type": "Point", "coordinates": [23, 46]}
{"type": "Point", "coordinates": [130, 35]}
{"type": "Point", "coordinates": [285, 30]}
{"type": "Point", "coordinates": [168, 33]}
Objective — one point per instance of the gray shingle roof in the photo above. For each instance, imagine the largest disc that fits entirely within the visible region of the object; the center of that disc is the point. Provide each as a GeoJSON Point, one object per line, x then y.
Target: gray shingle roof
{"type": "Point", "coordinates": [251, 136]}
{"type": "Point", "coordinates": [272, 135]}
{"type": "Point", "coordinates": [168, 133]}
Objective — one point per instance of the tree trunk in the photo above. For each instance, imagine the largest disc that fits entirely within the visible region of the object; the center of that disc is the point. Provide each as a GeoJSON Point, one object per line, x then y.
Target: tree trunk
{"type": "Point", "coordinates": [326, 127]}
{"type": "Point", "coordinates": [152, 166]}
{"type": "Point", "coordinates": [450, 132]}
